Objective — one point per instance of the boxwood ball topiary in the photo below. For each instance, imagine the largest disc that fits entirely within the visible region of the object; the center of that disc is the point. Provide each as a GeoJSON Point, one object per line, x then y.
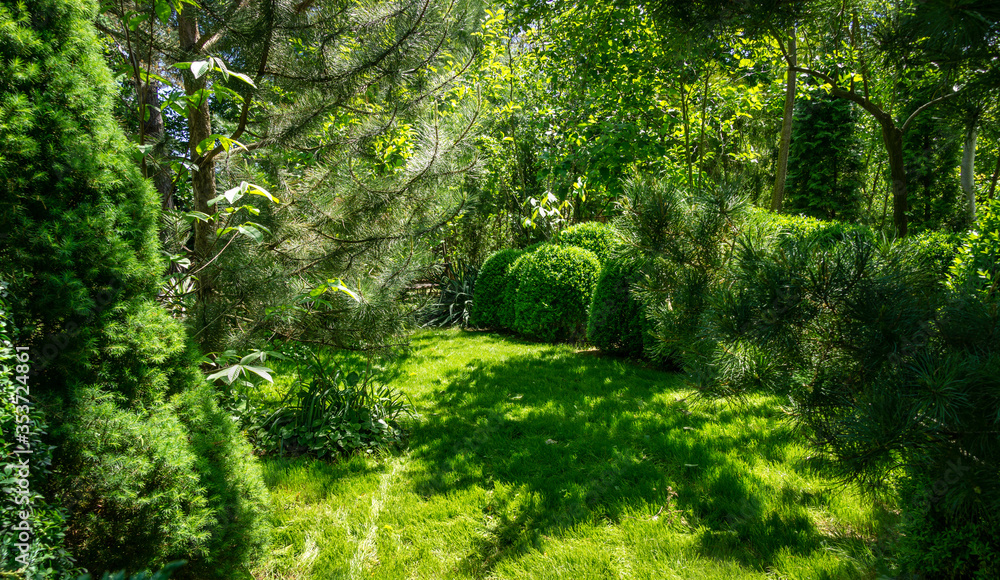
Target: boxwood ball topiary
{"type": "Point", "coordinates": [555, 286]}
{"type": "Point", "coordinates": [616, 320]}
{"type": "Point", "coordinates": [597, 237]}
{"type": "Point", "coordinates": [489, 308]}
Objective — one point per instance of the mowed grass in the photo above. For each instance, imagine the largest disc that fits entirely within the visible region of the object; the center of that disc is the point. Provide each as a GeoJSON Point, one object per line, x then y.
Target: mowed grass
{"type": "Point", "coordinates": [537, 461]}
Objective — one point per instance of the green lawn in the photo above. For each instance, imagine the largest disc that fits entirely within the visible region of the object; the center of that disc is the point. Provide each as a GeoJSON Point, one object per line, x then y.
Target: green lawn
{"type": "Point", "coordinates": [537, 461]}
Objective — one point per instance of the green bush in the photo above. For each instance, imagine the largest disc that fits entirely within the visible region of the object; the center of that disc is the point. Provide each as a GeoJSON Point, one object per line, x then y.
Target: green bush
{"type": "Point", "coordinates": [239, 528]}
{"type": "Point", "coordinates": [131, 486]}
{"type": "Point", "coordinates": [600, 238]}
{"type": "Point", "coordinates": [616, 321]}
{"type": "Point", "coordinates": [492, 306]}
{"type": "Point", "coordinates": [332, 414]}
{"type": "Point", "coordinates": [136, 477]}
{"type": "Point", "coordinates": [976, 268]}
{"type": "Point", "coordinates": [555, 287]}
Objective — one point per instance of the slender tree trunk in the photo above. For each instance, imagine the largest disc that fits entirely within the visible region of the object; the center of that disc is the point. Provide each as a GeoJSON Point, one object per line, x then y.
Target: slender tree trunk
{"type": "Point", "coordinates": [893, 138]}
{"type": "Point", "coordinates": [202, 181]}
{"type": "Point", "coordinates": [781, 172]}
{"type": "Point", "coordinates": [701, 139]}
{"type": "Point", "coordinates": [687, 134]}
{"type": "Point", "coordinates": [968, 170]}
{"type": "Point", "coordinates": [993, 180]}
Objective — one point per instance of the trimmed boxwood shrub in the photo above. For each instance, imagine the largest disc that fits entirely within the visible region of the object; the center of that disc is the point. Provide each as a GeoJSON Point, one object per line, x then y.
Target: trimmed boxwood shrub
{"type": "Point", "coordinates": [555, 286]}
{"type": "Point", "coordinates": [597, 237]}
{"type": "Point", "coordinates": [616, 320]}
{"type": "Point", "coordinates": [491, 308]}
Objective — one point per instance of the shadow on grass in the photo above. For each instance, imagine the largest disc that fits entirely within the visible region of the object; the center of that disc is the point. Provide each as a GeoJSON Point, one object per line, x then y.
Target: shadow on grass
{"type": "Point", "coordinates": [566, 439]}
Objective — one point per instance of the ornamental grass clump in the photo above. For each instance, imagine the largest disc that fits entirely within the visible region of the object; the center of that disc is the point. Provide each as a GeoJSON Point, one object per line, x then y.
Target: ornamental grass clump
{"type": "Point", "coordinates": [555, 287]}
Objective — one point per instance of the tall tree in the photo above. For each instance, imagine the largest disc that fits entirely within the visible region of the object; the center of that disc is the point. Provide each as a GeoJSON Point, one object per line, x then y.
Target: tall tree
{"type": "Point", "coordinates": [326, 82]}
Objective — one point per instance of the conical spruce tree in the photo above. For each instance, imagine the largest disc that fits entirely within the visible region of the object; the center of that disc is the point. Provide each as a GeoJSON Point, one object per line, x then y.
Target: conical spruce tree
{"type": "Point", "coordinates": [146, 466]}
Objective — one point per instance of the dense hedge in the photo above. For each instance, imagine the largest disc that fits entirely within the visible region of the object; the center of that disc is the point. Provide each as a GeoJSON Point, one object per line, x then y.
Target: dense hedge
{"type": "Point", "coordinates": [597, 237]}
{"type": "Point", "coordinates": [616, 320]}
{"type": "Point", "coordinates": [555, 287]}
{"type": "Point", "coordinates": [492, 307]}
{"type": "Point", "coordinates": [144, 465]}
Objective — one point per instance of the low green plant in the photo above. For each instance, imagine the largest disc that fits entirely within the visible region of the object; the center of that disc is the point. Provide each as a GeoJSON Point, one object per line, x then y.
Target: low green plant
{"type": "Point", "coordinates": [456, 289]}
{"type": "Point", "coordinates": [491, 306]}
{"type": "Point", "coordinates": [976, 268]}
{"type": "Point", "coordinates": [616, 321]}
{"type": "Point", "coordinates": [162, 574]}
{"type": "Point", "coordinates": [600, 238]}
{"type": "Point", "coordinates": [329, 414]}
{"type": "Point", "coordinates": [555, 287]}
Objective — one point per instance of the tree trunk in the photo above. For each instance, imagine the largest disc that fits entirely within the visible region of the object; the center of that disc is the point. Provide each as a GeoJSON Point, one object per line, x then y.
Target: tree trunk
{"type": "Point", "coordinates": [993, 181]}
{"type": "Point", "coordinates": [153, 131]}
{"type": "Point", "coordinates": [968, 170]}
{"type": "Point", "coordinates": [781, 171]}
{"type": "Point", "coordinates": [893, 138]}
{"type": "Point", "coordinates": [202, 180]}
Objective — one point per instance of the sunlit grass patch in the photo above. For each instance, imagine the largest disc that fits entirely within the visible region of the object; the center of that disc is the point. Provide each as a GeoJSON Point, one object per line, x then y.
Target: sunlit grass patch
{"type": "Point", "coordinates": [537, 461]}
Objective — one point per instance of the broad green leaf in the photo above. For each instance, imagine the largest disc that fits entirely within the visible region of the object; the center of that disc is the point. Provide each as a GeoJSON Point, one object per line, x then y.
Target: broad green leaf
{"type": "Point", "coordinates": [200, 67]}
{"type": "Point", "coordinates": [263, 372]}
{"type": "Point", "coordinates": [163, 10]}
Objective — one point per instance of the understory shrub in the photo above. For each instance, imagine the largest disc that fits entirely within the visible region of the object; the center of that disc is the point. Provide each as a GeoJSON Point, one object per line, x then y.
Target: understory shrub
{"type": "Point", "coordinates": [886, 368]}
{"type": "Point", "coordinates": [600, 238]}
{"type": "Point", "coordinates": [330, 414]}
{"type": "Point", "coordinates": [685, 240]}
{"type": "Point", "coordinates": [616, 320]}
{"type": "Point", "coordinates": [492, 306]}
{"type": "Point", "coordinates": [456, 289]}
{"type": "Point", "coordinates": [555, 287]}
{"type": "Point", "coordinates": [134, 478]}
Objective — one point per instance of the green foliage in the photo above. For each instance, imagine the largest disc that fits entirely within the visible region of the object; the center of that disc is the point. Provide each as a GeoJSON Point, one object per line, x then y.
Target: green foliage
{"type": "Point", "coordinates": [935, 546]}
{"type": "Point", "coordinates": [976, 268]}
{"type": "Point", "coordinates": [456, 289]}
{"type": "Point", "coordinates": [616, 321]}
{"type": "Point", "coordinates": [597, 237]}
{"type": "Point", "coordinates": [47, 555]}
{"type": "Point", "coordinates": [239, 526]}
{"type": "Point", "coordinates": [493, 305]}
{"type": "Point", "coordinates": [328, 414]}
{"type": "Point", "coordinates": [883, 365]}
{"type": "Point", "coordinates": [131, 484]}
{"type": "Point", "coordinates": [686, 242]}
{"type": "Point", "coordinates": [824, 159]}
{"type": "Point", "coordinates": [149, 488]}
{"type": "Point", "coordinates": [555, 287]}
{"type": "Point", "coordinates": [162, 574]}
{"type": "Point", "coordinates": [139, 479]}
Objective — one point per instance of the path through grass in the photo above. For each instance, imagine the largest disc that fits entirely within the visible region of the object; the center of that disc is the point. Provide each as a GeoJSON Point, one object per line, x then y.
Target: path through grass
{"type": "Point", "coordinates": [536, 461]}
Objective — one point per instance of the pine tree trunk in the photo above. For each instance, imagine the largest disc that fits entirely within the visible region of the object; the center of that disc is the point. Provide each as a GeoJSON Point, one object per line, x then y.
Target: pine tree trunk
{"type": "Point", "coordinates": [968, 171]}
{"type": "Point", "coordinates": [781, 172]}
